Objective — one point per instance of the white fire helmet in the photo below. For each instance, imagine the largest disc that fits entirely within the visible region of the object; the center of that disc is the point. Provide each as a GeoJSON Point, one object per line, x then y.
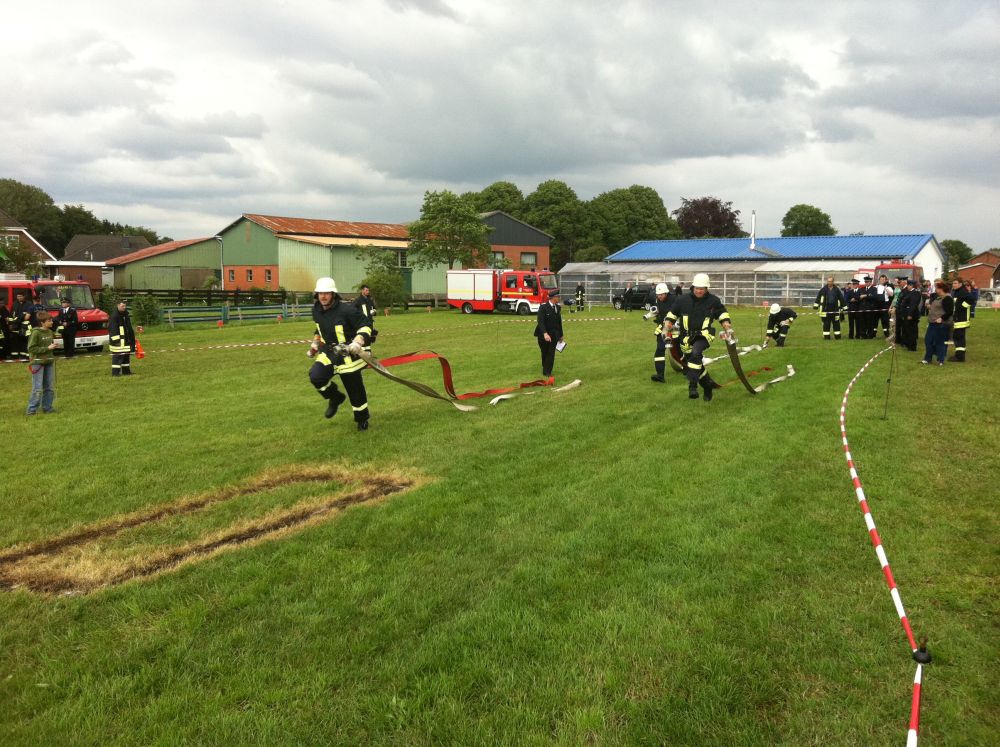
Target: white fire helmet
{"type": "Point", "coordinates": [662, 288]}
{"type": "Point", "coordinates": [775, 308]}
{"type": "Point", "coordinates": [325, 285]}
{"type": "Point", "coordinates": [700, 281]}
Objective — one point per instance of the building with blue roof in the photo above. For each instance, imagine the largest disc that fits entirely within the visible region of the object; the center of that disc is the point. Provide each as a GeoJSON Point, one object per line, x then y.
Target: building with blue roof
{"type": "Point", "coordinates": [786, 269]}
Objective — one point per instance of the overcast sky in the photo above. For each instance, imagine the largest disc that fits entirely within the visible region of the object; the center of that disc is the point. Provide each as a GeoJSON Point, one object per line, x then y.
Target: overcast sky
{"type": "Point", "coordinates": [181, 115]}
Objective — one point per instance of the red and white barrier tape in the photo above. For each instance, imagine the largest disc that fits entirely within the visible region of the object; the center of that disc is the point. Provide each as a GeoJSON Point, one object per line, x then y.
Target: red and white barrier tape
{"type": "Point", "coordinates": [911, 738]}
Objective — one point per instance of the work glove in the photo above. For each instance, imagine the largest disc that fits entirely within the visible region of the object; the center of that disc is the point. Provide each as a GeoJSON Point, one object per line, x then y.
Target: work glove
{"type": "Point", "coordinates": [355, 348]}
{"type": "Point", "coordinates": [313, 349]}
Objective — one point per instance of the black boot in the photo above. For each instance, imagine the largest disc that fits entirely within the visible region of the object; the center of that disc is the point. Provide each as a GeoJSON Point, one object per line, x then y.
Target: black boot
{"type": "Point", "coordinates": [333, 403]}
{"type": "Point", "coordinates": [708, 384]}
{"type": "Point", "coordinates": [657, 377]}
{"type": "Point", "coordinates": [692, 390]}
{"type": "Point", "coordinates": [363, 425]}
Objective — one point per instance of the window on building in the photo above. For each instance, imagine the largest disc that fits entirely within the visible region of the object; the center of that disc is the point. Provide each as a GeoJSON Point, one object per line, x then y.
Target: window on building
{"type": "Point", "coordinates": [498, 259]}
{"type": "Point", "coordinates": [529, 259]}
{"type": "Point", "coordinates": [232, 276]}
{"type": "Point", "coordinates": [267, 276]}
{"type": "Point", "coordinates": [9, 242]}
{"type": "Point", "coordinates": [249, 274]}
{"type": "Point", "coordinates": [401, 260]}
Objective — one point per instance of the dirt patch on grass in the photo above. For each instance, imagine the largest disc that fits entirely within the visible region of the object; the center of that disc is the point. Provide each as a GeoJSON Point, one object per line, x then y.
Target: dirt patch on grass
{"type": "Point", "coordinates": [75, 562]}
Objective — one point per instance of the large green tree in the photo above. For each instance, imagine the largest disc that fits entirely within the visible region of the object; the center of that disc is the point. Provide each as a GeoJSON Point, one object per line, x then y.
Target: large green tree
{"type": "Point", "coordinates": [623, 216]}
{"type": "Point", "coordinates": [958, 252]}
{"type": "Point", "coordinates": [505, 196]}
{"type": "Point", "coordinates": [78, 219]}
{"type": "Point", "coordinates": [35, 210]}
{"type": "Point", "coordinates": [806, 220]}
{"type": "Point", "coordinates": [449, 230]}
{"type": "Point", "coordinates": [705, 217]}
{"type": "Point", "coordinates": [554, 208]}
{"type": "Point", "coordinates": [382, 275]}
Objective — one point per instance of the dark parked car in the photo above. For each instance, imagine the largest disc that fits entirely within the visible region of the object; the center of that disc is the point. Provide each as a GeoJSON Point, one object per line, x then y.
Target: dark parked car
{"type": "Point", "coordinates": [642, 296]}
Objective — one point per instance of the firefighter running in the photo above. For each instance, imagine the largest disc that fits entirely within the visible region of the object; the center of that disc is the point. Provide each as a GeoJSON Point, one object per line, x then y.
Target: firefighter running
{"type": "Point", "coordinates": [693, 315]}
{"type": "Point", "coordinates": [342, 332]}
{"type": "Point", "coordinates": [778, 323]}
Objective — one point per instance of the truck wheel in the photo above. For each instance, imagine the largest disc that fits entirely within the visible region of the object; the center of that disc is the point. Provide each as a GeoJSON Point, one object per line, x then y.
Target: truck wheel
{"type": "Point", "coordinates": [523, 309]}
{"type": "Point", "coordinates": [466, 308]}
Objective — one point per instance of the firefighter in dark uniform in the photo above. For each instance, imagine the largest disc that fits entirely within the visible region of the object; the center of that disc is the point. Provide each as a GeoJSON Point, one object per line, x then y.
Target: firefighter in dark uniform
{"type": "Point", "coordinates": [778, 322]}
{"type": "Point", "coordinates": [852, 298]}
{"type": "Point", "coordinates": [4, 330]}
{"type": "Point", "coordinates": [19, 325]}
{"type": "Point", "coordinates": [342, 332]}
{"type": "Point", "coordinates": [830, 301]}
{"type": "Point", "coordinates": [868, 308]}
{"type": "Point", "coordinates": [121, 340]}
{"type": "Point", "coordinates": [67, 324]}
{"type": "Point", "coordinates": [963, 307]}
{"type": "Point", "coordinates": [549, 331]}
{"type": "Point", "coordinates": [366, 305]}
{"type": "Point", "coordinates": [908, 315]}
{"type": "Point", "coordinates": [580, 293]}
{"type": "Point", "coordinates": [693, 315]}
{"type": "Point", "coordinates": [662, 302]}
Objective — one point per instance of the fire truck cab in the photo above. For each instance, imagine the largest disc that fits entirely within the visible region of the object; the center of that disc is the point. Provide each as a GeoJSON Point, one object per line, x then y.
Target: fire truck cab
{"type": "Point", "coordinates": [47, 296]}
{"type": "Point", "coordinates": [515, 291]}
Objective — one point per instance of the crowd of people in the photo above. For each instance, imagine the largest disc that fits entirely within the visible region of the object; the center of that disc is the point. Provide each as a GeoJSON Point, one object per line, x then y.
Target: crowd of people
{"type": "Point", "coordinates": [947, 309]}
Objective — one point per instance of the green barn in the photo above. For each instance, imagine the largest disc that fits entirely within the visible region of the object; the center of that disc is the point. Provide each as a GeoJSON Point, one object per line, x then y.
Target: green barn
{"type": "Point", "coordinates": [266, 251]}
{"type": "Point", "coordinates": [176, 264]}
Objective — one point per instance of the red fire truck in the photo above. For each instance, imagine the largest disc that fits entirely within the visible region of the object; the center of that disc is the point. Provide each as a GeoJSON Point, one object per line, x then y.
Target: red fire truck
{"type": "Point", "coordinates": [515, 291]}
{"type": "Point", "coordinates": [48, 295]}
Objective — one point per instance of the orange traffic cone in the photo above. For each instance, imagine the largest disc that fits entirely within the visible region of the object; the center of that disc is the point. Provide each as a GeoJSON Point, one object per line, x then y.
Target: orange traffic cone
{"type": "Point", "coordinates": [139, 352]}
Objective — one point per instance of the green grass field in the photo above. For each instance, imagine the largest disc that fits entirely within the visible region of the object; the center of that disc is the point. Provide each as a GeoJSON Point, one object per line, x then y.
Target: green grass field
{"type": "Point", "coordinates": [613, 564]}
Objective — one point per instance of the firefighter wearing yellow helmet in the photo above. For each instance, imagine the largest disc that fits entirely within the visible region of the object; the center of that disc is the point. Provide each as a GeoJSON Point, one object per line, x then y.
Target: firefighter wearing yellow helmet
{"type": "Point", "coordinates": [342, 332]}
{"type": "Point", "coordinates": [778, 322]}
{"type": "Point", "coordinates": [664, 300]}
{"type": "Point", "coordinates": [693, 315]}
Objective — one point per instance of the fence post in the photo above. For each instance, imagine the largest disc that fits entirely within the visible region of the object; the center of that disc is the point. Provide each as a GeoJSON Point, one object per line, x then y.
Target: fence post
{"type": "Point", "coordinates": [170, 318]}
{"type": "Point", "coordinates": [225, 313]}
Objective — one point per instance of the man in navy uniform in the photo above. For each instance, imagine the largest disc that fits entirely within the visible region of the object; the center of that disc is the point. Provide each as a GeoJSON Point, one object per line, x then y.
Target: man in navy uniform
{"type": "Point", "coordinates": [549, 332]}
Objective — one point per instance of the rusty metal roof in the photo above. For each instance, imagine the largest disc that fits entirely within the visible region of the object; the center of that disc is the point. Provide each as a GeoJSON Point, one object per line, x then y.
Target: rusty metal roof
{"type": "Point", "coordinates": [152, 251]}
{"type": "Point", "coordinates": [318, 227]}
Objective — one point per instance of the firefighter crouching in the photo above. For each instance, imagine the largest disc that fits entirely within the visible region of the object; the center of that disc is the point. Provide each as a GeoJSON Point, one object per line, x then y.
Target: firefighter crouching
{"type": "Point", "coordinates": [658, 313]}
{"type": "Point", "coordinates": [693, 315]}
{"type": "Point", "coordinates": [778, 322]}
{"type": "Point", "coordinates": [342, 332]}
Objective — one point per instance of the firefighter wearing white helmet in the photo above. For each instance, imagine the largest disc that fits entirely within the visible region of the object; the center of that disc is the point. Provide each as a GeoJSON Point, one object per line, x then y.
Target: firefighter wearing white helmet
{"type": "Point", "coordinates": [341, 334]}
{"type": "Point", "coordinates": [778, 322]}
{"type": "Point", "coordinates": [658, 312]}
{"type": "Point", "coordinates": [692, 318]}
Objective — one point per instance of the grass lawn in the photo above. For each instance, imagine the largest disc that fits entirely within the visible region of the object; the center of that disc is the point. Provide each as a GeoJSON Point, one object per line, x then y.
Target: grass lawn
{"type": "Point", "coordinates": [613, 564]}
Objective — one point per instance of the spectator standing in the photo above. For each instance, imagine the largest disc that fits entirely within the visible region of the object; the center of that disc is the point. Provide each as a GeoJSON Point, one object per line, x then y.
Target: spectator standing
{"type": "Point", "coordinates": [627, 297]}
{"type": "Point", "coordinates": [939, 313]}
{"type": "Point", "coordinates": [42, 365]}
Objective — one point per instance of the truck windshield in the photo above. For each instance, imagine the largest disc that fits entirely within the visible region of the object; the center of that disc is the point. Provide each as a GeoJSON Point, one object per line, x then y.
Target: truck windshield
{"type": "Point", "coordinates": [548, 281]}
{"type": "Point", "coordinates": [50, 296]}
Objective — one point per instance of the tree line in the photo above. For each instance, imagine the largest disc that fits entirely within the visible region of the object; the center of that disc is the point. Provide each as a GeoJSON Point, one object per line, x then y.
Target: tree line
{"type": "Point", "coordinates": [53, 226]}
{"type": "Point", "coordinates": [449, 229]}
